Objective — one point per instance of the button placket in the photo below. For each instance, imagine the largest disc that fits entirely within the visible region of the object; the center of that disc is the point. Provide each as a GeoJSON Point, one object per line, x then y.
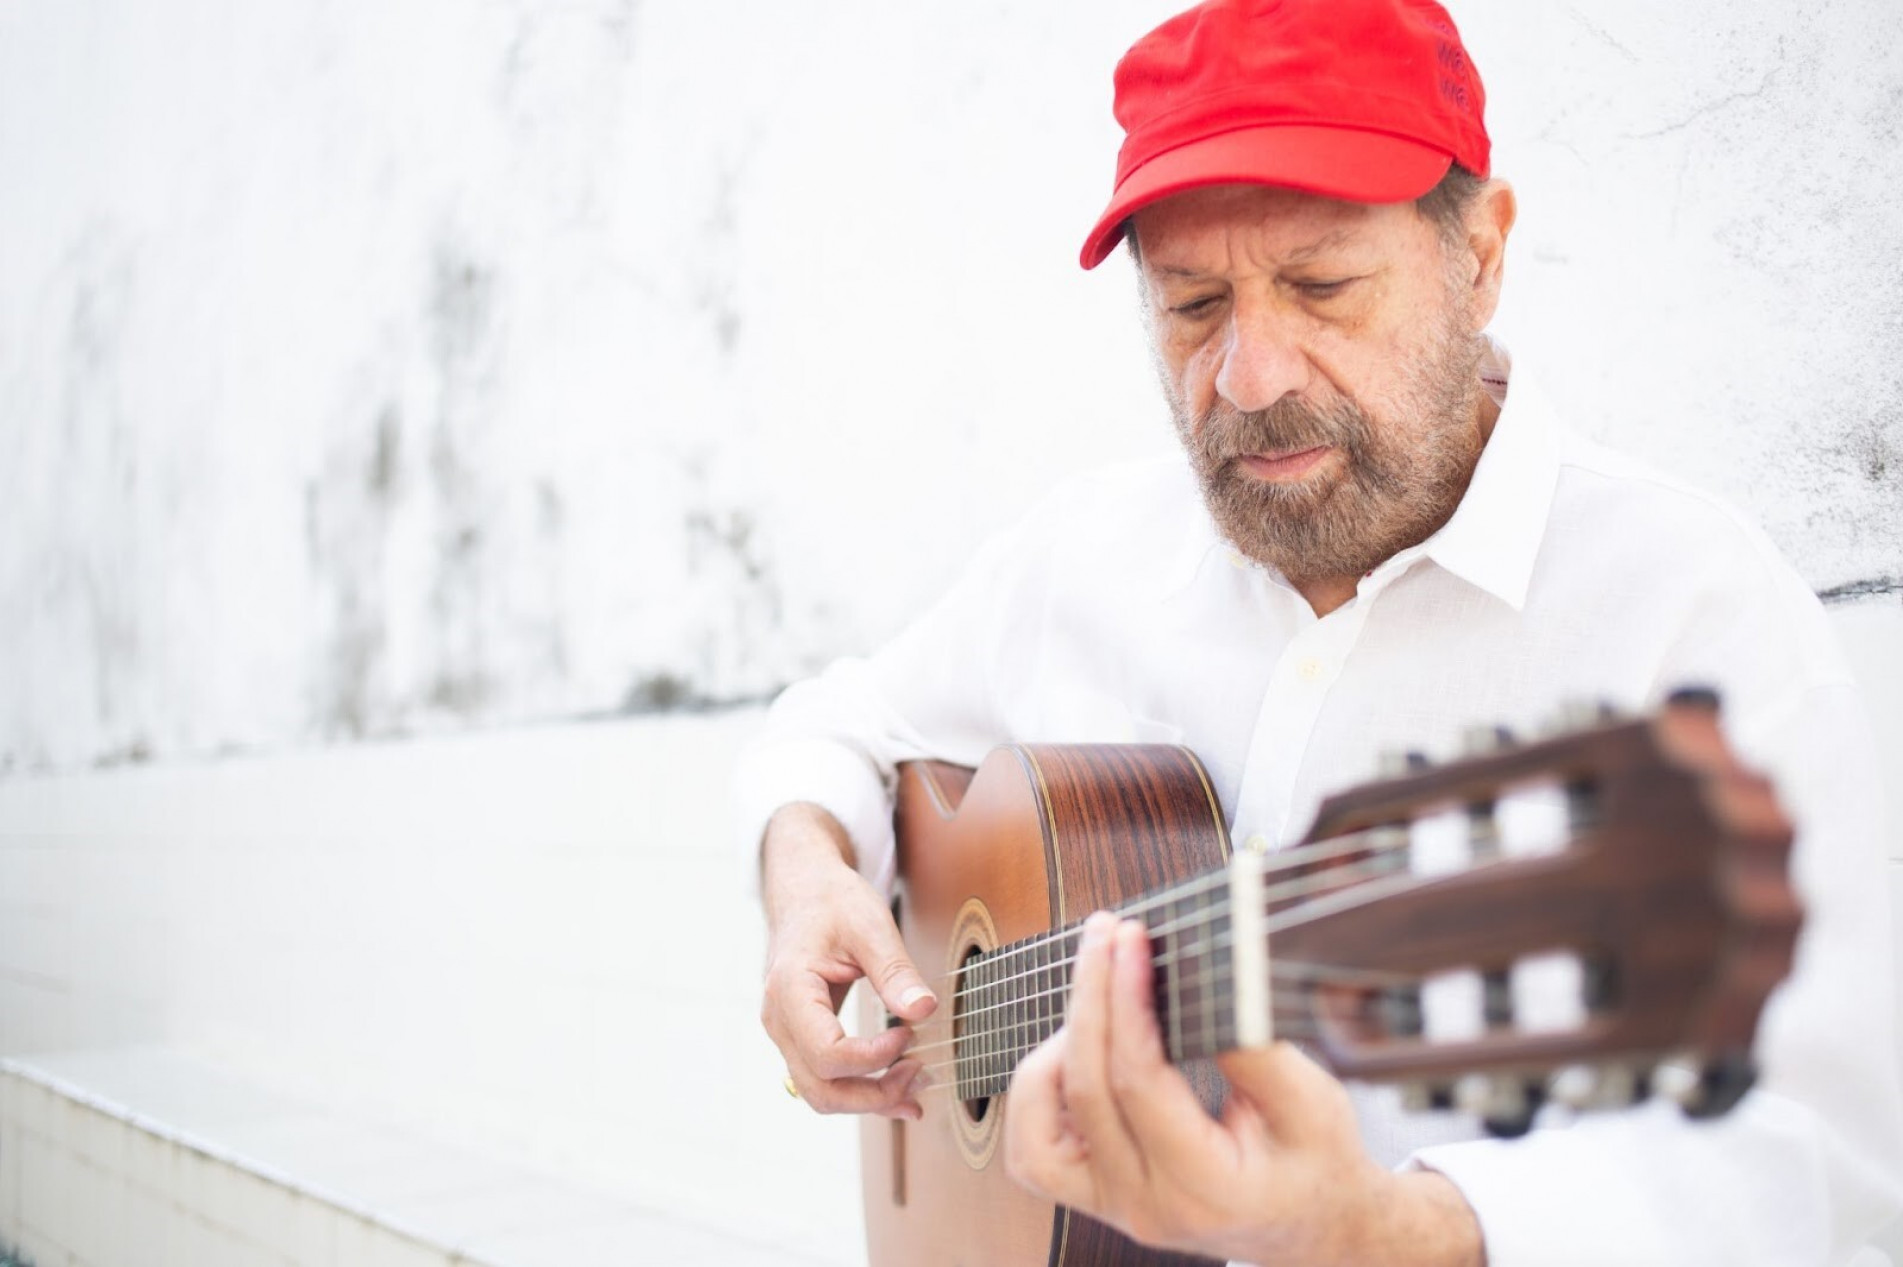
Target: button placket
{"type": "Point", "coordinates": [1285, 722]}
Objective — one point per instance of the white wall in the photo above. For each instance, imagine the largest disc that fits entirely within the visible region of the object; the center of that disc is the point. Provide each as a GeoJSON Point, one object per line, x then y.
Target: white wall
{"type": "Point", "coordinates": [368, 368]}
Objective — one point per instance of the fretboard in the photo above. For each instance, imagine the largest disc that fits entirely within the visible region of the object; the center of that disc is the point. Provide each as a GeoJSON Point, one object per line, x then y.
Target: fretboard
{"type": "Point", "coordinates": [1013, 998]}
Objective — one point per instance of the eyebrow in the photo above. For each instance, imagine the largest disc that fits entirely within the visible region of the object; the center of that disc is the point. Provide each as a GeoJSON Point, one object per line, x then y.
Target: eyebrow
{"type": "Point", "coordinates": [1301, 255]}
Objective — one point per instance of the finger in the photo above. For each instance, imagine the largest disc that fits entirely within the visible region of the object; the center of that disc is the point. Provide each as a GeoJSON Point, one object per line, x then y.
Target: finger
{"type": "Point", "coordinates": [1042, 1150]}
{"type": "Point", "coordinates": [889, 1095]}
{"type": "Point", "coordinates": [880, 952]}
{"type": "Point", "coordinates": [1296, 1100]}
{"type": "Point", "coordinates": [1094, 1103]}
{"type": "Point", "coordinates": [1160, 1110]}
{"type": "Point", "coordinates": [799, 1017]}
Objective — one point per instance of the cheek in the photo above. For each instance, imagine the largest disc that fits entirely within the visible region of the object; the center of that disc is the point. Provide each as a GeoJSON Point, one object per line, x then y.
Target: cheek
{"type": "Point", "coordinates": [1196, 372]}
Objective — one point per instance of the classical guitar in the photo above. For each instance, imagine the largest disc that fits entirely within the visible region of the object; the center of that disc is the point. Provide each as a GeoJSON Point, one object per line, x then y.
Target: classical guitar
{"type": "Point", "coordinates": [1631, 866]}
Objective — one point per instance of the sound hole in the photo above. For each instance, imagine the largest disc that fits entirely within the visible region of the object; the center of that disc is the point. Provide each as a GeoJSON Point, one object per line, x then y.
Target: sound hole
{"type": "Point", "coordinates": [970, 1030]}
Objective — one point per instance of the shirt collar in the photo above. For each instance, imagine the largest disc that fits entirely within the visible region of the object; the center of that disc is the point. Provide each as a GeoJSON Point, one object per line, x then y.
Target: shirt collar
{"type": "Point", "coordinates": [1494, 535]}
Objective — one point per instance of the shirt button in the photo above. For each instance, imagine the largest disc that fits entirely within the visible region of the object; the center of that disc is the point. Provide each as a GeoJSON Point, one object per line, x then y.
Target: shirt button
{"type": "Point", "coordinates": [1238, 559]}
{"type": "Point", "coordinates": [1311, 669]}
{"type": "Point", "coordinates": [1257, 843]}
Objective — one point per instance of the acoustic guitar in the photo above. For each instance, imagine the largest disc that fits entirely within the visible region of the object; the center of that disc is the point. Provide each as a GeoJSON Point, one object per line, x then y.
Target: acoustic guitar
{"type": "Point", "coordinates": [1631, 868]}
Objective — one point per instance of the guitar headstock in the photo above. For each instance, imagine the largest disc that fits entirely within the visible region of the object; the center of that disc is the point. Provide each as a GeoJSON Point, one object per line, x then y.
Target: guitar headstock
{"type": "Point", "coordinates": [1659, 910]}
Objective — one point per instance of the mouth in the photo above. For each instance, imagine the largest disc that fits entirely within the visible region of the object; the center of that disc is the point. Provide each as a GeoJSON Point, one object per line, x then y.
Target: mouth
{"type": "Point", "coordinates": [1284, 467]}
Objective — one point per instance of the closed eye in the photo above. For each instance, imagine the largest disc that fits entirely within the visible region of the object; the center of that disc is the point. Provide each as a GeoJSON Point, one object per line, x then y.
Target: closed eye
{"type": "Point", "coordinates": [1196, 307]}
{"type": "Point", "coordinates": [1325, 290]}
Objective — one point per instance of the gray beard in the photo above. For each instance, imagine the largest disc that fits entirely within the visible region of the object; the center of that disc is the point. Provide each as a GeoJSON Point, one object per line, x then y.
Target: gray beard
{"type": "Point", "coordinates": [1393, 493]}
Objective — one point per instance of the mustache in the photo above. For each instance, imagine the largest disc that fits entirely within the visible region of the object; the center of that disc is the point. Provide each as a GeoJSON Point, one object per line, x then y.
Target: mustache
{"type": "Point", "coordinates": [1224, 433]}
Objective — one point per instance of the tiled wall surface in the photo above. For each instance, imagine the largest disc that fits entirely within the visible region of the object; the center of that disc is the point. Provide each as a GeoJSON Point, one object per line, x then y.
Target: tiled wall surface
{"type": "Point", "coordinates": [81, 1185]}
{"type": "Point", "coordinates": [533, 946]}
{"type": "Point", "coordinates": [492, 995]}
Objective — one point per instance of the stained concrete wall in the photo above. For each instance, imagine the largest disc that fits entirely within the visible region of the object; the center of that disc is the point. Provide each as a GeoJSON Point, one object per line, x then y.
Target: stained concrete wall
{"type": "Point", "coordinates": [367, 369]}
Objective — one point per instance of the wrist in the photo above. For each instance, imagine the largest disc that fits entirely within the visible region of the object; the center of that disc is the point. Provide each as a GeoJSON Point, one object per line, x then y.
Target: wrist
{"type": "Point", "coordinates": [1420, 1217]}
{"type": "Point", "coordinates": [803, 844]}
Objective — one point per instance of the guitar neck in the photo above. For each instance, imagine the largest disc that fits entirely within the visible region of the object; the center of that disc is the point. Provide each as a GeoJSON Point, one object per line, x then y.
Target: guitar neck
{"type": "Point", "coordinates": [1013, 998]}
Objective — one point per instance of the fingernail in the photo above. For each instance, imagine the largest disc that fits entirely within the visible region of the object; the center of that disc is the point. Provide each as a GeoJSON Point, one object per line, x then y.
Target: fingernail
{"type": "Point", "coordinates": [913, 995]}
{"type": "Point", "coordinates": [920, 1081]}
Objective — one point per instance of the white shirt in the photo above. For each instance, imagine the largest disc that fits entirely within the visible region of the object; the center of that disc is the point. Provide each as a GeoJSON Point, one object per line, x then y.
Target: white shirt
{"type": "Point", "coordinates": [1116, 613]}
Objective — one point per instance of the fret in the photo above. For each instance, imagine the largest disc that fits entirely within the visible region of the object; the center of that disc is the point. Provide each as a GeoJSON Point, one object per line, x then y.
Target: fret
{"type": "Point", "coordinates": [1172, 1002]}
{"type": "Point", "coordinates": [1219, 1010]}
{"type": "Point", "coordinates": [1207, 993]}
{"type": "Point", "coordinates": [1041, 976]}
{"type": "Point", "coordinates": [988, 1022]}
{"type": "Point", "coordinates": [1015, 1047]}
{"type": "Point", "coordinates": [961, 1032]}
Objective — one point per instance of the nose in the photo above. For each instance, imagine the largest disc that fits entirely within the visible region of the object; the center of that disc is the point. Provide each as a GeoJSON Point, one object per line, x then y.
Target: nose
{"type": "Point", "coordinates": [1262, 360]}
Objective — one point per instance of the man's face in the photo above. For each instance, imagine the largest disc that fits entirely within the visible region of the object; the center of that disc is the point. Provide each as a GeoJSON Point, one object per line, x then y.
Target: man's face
{"type": "Point", "coordinates": [1321, 362]}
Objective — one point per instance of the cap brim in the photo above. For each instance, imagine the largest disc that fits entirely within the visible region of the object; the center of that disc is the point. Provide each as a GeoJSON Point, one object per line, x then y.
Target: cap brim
{"type": "Point", "coordinates": [1335, 162]}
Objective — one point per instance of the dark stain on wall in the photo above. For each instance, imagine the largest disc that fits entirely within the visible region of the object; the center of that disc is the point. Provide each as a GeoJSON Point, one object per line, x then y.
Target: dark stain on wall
{"type": "Point", "coordinates": [463, 317]}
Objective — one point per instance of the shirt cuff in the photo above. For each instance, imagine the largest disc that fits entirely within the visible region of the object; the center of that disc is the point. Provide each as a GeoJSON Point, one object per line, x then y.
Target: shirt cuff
{"type": "Point", "coordinates": [836, 777]}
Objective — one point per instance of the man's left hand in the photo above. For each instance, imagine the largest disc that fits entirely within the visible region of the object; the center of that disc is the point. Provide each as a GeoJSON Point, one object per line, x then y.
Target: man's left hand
{"type": "Point", "coordinates": [1098, 1120]}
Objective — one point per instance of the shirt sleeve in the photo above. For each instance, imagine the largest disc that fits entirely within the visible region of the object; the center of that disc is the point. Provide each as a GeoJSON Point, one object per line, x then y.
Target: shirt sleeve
{"type": "Point", "coordinates": [835, 740]}
{"type": "Point", "coordinates": [1810, 1163]}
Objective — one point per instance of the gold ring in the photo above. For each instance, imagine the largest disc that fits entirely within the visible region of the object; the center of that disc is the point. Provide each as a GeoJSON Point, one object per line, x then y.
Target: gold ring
{"type": "Point", "coordinates": [791, 1089]}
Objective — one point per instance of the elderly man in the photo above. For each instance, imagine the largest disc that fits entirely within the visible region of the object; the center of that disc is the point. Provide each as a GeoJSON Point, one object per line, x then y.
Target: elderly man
{"type": "Point", "coordinates": [1382, 533]}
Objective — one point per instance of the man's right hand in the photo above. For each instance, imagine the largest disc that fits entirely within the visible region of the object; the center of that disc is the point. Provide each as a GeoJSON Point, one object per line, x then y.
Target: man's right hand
{"type": "Point", "coordinates": [826, 928]}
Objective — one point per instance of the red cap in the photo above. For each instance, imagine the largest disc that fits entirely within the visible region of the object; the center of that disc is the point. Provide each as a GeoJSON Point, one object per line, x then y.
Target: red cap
{"type": "Point", "coordinates": [1367, 100]}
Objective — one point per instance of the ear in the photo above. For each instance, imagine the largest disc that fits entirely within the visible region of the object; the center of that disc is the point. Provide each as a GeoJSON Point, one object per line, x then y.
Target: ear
{"type": "Point", "coordinates": [1489, 220]}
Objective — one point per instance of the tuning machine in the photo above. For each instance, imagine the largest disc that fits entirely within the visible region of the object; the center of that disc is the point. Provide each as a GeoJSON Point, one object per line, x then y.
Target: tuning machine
{"type": "Point", "coordinates": [1707, 1090]}
{"type": "Point", "coordinates": [1480, 741]}
{"type": "Point", "coordinates": [1397, 763]}
{"type": "Point", "coordinates": [1505, 1104]}
{"type": "Point", "coordinates": [1581, 714]}
{"type": "Point", "coordinates": [1427, 1097]}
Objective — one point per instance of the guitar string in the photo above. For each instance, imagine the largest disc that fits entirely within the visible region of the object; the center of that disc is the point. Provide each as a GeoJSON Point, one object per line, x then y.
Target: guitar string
{"type": "Point", "coordinates": [1001, 1063]}
{"type": "Point", "coordinates": [1197, 953]}
{"type": "Point", "coordinates": [1377, 841]}
{"type": "Point", "coordinates": [993, 1054]}
{"type": "Point", "coordinates": [1292, 1019]}
{"type": "Point", "coordinates": [1169, 956]}
{"type": "Point", "coordinates": [1205, 918]}
{"type": "Point", "coordinates": [979, 1039]}
{"type": "Point", "coordinates": [1336, 879]}
{"type": "Point", "coordinates": [1218, 979]}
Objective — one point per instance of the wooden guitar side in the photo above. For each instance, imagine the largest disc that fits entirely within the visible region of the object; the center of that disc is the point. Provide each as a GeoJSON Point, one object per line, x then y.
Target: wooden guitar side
{"type": "Point", "coordinates": [1039, 837]}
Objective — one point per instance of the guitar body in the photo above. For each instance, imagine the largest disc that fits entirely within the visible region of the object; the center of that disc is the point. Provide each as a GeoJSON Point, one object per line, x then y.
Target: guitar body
{"type": "Point", "coordinates": [1039, 837]}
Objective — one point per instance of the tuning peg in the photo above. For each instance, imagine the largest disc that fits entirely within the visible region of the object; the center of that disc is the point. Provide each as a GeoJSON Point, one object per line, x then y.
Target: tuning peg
{"type": "Point", "coordinates": [1598, 984]}
{"type": "Point", "coordinates": [1618, 1087]}
{"type": "Point", "coordinates": [1426, 1097]}
{"type": "Point", "coordinates": [1478, 741]}
{"type": "Point", "coordinates": [1581, 714]}
{"type": "Point", "coordinates": [1720, 1085]}
{"type": "Point", "coordinates": [1505, 1105]}
{"type": "Point", "coordinates": [1514, 1109]}
{"type": "Point", "coordinates": [1677, 1080]}
{"type": "Point", "coordinates": [1395, 763]}
{"type": "Point", "coordinates": [1573, 1086]}
{"type": "Point", "coordinates": [1582, 806]}
{"type": "Point", "coordinates": [1483, 831]}
{"type": "Point", "coordinates": [1497, 997]}
{"type": "Point", "coordinates": [1695, 696]}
